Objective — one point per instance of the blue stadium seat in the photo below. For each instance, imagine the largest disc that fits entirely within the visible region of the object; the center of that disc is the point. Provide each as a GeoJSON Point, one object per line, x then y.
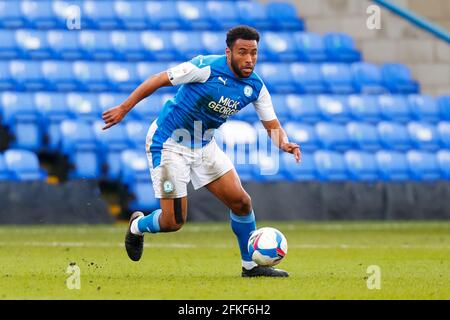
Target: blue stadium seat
{"type": "Point", "coordinates": [443, 158]}
{"type": "Point", "coordinates": [237, 135]}
{"type": "Point", "coordinates": [280, 106]}
{"type": "Point", "coordinates": [361, 165]}
{"type": "Point", "coordinates": [367, 78]}
{"type": "Point", "coordinates": [33, 44]}
{"type": "Point", "coordinates": [303, 108]}
{"type": "Point", "coordinates": [111, 143]}
{"type": "Point", "coordinates": [254, 14]}
{"type": "Point", "coordinates": [186, 44]}
{"type": "Point", "coordinates": [100, 14]}
{"type": "Point", "coordinates": [159, 45]}
{"type": "Point", "coordinates": [109, 100]}
{"type": "Point", "coordinates": [444, 106]}
{"type": "Point", "coordinates": [7, 81]}
{"type": "Point", "coordinates": [223, 14]}
{"type": "Point", "coordinates": [27, 75]}
{"type": "Point", "coordinates": [364, 108]}
{"type": "Point", "coordinates": [394, 108]}
{"type": "Point", "coordinates": [39, 14]}
{"type": "Point", "coordinates": [24, 165]}
{"type": "Point", "coordinates": [443, 128]}
{"type": "Point", "coordinates": [213, 42]}
{"type": "Point", "coordinates": [310, 47]}
{"type": "Point", "coordinates": [274, 75]}
{"type": "Point", "coordinates": [393, 165]}
{"type": "Point", "coordinates": [423, 107]}
{"type": "Point", "coordinates": [65, 45]}
{"type": "Point", "coordinates": [397, 78]}
{"type": "Point", "coordinates": [340, 47]}
{"type": "Point", "coordinates": [122, 76]}
{"type": "Point", "coordinates": [84, 106]}
{"type": "Point", "coordinates": [283, 16]}
{"type": "Point", "coordinates": [127, 45]}
{"type": "Point", "coordinates": [303, 171]}
{"type": "Point", "coordinates": [79, 145]}
{"type": "Point", "coordinates": [163, 15]}
{"type": "Point", "coordinates": [134, 167]}
{"type": "Point", "coordinates": [8, 45]}
{"type": "Point", "coordinates": [131, 14]}
{"type": "Point", "coordinates": [59, 75]}
{"type": "Point", "coordinates": [338, 78]}
{"type": "Point", "coordinates": [147, 69]}
{"type": "Point", "coordinates": [308, 78]}
{"type": "Point", "coordinates": [143, 197]}
{"type": "Point", "coordinates": [393, 135]}
{"type": "Point", "coordinates": [333, 108]}
{"type": "Point", "coordinates": [96, 45]}
{"type": "Point", "coordinates": [423, 165]}
{"type": "Point", "coordinates": [363, 135]}
{"type": "Point", "coordinates": [193, 16]}
{"type": "Point", "coordinates": [148, 108]}
{"type": "Point", "coordinates": [69, 14]}
{"type": "Point", "coordinates": [423, 135]}
{"type": "Point", "coordinates": [11, 16]}
{"type": "Point", "coordinates": [5, 174]}
{"type": "Point", "coordinates": [332, 136]}
{"type": "Point", "coordinates": [269, 167]}
{"type": "Point", "coordinates": [330, 165]}
{"type": "Point", "coordinates": [303, 134]}
{"type": "Point", "coordinates": [91, 76]}
{"type": "Point", "coordinates": [137, 132]}
{"type": "Point", "coordinates": [278, 46]}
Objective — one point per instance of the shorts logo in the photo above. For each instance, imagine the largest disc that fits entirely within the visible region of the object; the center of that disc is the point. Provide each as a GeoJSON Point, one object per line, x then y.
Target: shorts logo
{"type": "Point", "coordinates": [248, 91]}
{"type": "Point", "coordinates": [168, 186]}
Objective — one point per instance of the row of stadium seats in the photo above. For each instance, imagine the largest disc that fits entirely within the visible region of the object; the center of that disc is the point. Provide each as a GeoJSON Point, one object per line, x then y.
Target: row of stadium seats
{"type": "Point", "coordinates": [49, 107]}
{"type": "Point", "coordinates": [101, 14]}
{"type": "Point", "coordinates": [169, 45]}
{"type": "Point", "coordinates": [306, 78]}
{"type": "Point", "coordinates": [20, 165]}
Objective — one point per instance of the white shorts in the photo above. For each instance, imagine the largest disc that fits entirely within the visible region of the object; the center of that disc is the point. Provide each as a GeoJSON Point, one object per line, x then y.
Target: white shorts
{"type": "Point", "coordinates": [180, 164]}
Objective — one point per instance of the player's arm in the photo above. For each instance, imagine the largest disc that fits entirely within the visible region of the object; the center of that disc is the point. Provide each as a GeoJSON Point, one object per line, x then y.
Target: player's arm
{"type": "Point", "coordinates": [116, 114]}
{"type": "Point", "coordinates": [266, 114]}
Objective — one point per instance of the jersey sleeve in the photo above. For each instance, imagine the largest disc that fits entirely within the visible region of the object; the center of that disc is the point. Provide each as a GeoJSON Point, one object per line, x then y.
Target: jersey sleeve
{"type": "Point", "coordinates": [190, 71]}
{"type": "Point", "coordinates": [263, 105]}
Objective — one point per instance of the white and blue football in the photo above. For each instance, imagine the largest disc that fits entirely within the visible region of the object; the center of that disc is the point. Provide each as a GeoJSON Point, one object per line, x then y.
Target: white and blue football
{"type": "Point", "coordinates": [267, 246]}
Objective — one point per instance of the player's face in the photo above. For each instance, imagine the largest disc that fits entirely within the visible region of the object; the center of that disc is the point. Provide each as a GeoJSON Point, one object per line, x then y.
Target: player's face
{"type": "Point", "coordinates": [243, 56]}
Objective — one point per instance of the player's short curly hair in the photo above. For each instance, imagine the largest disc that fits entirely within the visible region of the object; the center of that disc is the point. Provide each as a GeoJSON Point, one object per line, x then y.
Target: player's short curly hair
{"type": "Point", "coordinates": [241, 32]}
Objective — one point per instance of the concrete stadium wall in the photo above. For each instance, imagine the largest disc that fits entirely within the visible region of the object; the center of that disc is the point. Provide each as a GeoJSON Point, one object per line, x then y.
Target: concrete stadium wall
{"type": "Point", "coordinates": [397, 40]}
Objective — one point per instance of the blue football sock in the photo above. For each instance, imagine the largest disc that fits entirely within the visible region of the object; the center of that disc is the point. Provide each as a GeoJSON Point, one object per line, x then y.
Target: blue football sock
{"type": "Point", "coordinates": [242, 226]}
{"type": "Point", "coordinates": [150, 223]}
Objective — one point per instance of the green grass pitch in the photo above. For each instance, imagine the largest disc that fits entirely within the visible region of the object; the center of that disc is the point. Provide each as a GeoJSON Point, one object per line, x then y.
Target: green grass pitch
{"type": "Point", "coordinates": [326, 260]}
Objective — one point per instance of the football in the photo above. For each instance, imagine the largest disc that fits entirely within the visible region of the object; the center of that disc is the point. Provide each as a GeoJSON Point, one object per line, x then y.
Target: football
{"type": "Point", "coordinates": [267, 246]}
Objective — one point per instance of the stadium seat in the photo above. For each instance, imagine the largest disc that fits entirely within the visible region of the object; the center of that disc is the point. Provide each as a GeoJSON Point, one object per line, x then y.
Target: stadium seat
{"type": "Point", "coordinates": [254, 14]}
{"type": "Point", "coordinates": [278, 46]}
{"type": "Point", "coordinates": [305, 171]}
{"type": "Point", "coordinates": [333, 108]}
{"type": "Point", "coordinates": [280, 106]}
{"type": "Point", "coordinates": [340, 47]}
{"type": "Point", "coordinates": [303, 108]}
{"type": "Point", "coordinates": [5, 174]}
{"type": "Point", "coordinates": [186, 44]}
{"type": "Point", "coordinates": [23, 165]}
{"type": "Point", "coordinates": [163, 15]}
{"type": "Point", "coordinates": [127, 45]}
{"type": "Point", "coordinates": [363, 136]}
{"type": "Point", "coordinates": [393, 165]}
{"type": "Point", "coordinates": [159, 45]}
{"type": "Point", "coordinates": [423, 165]}
{"type": "Point", "coordinates": [91, 76]}
{"type": "Point", "coordinates": [367, 78]}
{"type": "Point", "coordinates": [131, 14]}
{"type": "Point", "coordinates": [213, 42]}
{"type": "Point", "coordinates": [59, 76]}
{"type": "Point", "coordinates": [237, 135]}
{"type": "Point", "coordinates": [310, 46]}
{"type": "Point", "coordinates": [79, 145]}
{"type": "Point", "coordinates": [423, 135]}
{"type": "Point", "coordinates": [84, 106]}
{"type": "Point", "coordinates": [332, 136]}
{"type": "Point", "coordinates": [96, 45]}
{"type": "Point", "coordinates": [397, 78]}
{"type": "Point", "coordinates": [69, 14]}
{"type": "Point", "coordinates": [8, 46]}
{"type": "Point", "coordinates": [443, 129]}
{"type": "Point", "coordinates": [330, 166]}
{"type": "Point", "coordinates": [148, 108]}
{"type": "Point", "coordinates": [11, 16]}
{"type": "Point", "coordinates": [100, 14]}
{"type": "Point", "coordinates": [109, 100]}
{"type": "Point", "coordinates": [110, 144]}
{"type": "Point", "coordinates": [423, 108]}
{"type": "Point", "coordinates": [275, 77]}
{"type": "Point", "coordinates": [122, 76]}
{"type": "Point", "coordinates": [65, 45]}
{"type": "Point", "coordinates": [269, 167]}
{"type": "Point", "coordinates": [302, 134]}
{"type": "Point", "coordinates": [444, 106]}
{"type": "Point", "coordinates": [283, 16]}
{"type": "Point", "coordinates": [39, 14]}
{"type": "Point", "coordinates": [393, 136]}
{"type": "Point", "coordinates": [443, 158]}
{"type": "Point", "coordinates": [361, 165]}
{"type": "Point", "coordinates": [307, 78]}
{"type": "Point", "coordinates": [134, 167]}
{"type": "Point", "coordinates": [143, 197]}
{"type": "Point", "coordinates": [27, 75]}
{"type": "Point", "coordinates": [193, 16]}
{"type": "Point", "coordinates": [223, 14]}
{"type": "Point", "coordinates": [338, 78]}
{"type": "Point", "coordinates": [136, 133]}
{"type": "Point", "coordinates": [364, 108]}
{"type": "Point", "coordinates": [7, 81]}
{"type": "Point", "coordinates": [244, 164]}
{"type": "Point", "coordinates": [394, 108]}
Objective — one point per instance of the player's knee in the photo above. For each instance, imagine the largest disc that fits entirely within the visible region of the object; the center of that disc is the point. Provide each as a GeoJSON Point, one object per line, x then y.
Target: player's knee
{"type": "Point", "coordinates": [242, 206]}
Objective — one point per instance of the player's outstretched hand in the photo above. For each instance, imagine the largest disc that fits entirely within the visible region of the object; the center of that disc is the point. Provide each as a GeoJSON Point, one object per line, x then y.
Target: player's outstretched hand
{"type": "Point", "coordinates": [113, 116]}
{"type": "Point", "coordinates": [292, 148]}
